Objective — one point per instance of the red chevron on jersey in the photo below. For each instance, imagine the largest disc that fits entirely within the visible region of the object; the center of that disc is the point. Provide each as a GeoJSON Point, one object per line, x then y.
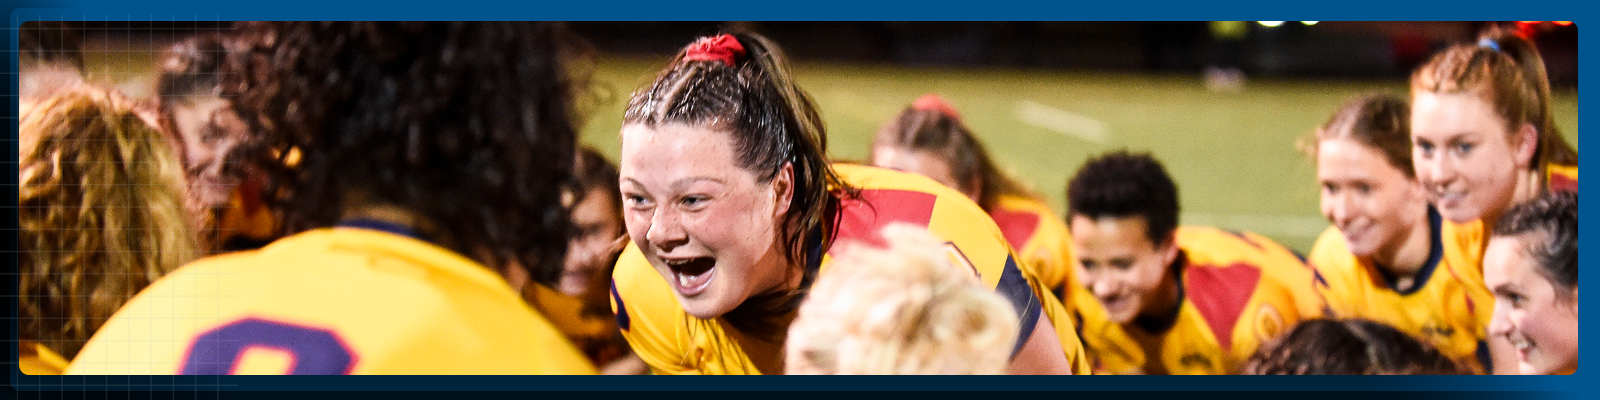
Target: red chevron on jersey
{"type": "Point", "coordinates": [1220, 294]}
{"type": "Point", "coordinates": [862, 217]}
{"type": "Point", "coordinates": [1563, 183]}
{"type": "Point", "coordinates": [1017, 226]}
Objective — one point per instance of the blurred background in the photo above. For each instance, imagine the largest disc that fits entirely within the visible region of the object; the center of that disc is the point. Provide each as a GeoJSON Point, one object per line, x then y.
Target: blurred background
{"type": "Point", "coordinates": [1222, 103]}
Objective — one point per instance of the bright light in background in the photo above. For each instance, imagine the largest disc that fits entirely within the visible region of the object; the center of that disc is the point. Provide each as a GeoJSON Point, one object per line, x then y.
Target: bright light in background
{"type": "Point", "coordinates": [1270, 24]}
{"type": "Point", "coordinates": [1309, 23]}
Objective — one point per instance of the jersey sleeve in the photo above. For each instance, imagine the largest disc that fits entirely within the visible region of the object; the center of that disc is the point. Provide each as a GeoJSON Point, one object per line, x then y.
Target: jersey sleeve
{"type": "Point", "coordinates": [648, 315]}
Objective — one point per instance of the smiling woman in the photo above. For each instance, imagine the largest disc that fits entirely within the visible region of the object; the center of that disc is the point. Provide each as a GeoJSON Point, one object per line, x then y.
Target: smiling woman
{"type": "Point", "coordinates": [1384, 258]}
{"type": "Point", "coordinates": [733, 211]}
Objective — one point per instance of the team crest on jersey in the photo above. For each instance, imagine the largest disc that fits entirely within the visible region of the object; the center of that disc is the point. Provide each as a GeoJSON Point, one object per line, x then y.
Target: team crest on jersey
{"type": "Point", "coordinates": [1269, 322]}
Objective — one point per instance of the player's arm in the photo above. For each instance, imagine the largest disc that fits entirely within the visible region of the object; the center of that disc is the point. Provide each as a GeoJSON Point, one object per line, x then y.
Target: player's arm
{"type": "Point", "coordinates": [1041, 354]}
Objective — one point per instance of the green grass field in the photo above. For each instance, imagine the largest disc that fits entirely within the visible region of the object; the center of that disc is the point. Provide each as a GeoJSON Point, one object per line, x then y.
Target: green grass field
{"type": "Point", "coordinates": [1232, 154]}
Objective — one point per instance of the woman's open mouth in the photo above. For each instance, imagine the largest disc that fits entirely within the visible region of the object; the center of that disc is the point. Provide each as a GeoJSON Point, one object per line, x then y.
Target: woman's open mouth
{"type": "Point", "coordinates": [692, 276]}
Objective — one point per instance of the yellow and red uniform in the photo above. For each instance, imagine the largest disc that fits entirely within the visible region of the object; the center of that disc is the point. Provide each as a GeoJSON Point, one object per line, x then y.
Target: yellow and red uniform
{"type": "Point", "coordinates": [330, 301]}
{"type": "Point", "coordinates": [1237, 291]}
{"type": "Point", "coordinates": [1447, 306]}
{"type": "Point", "coordinates": [1561, 178]}
{"type": "Point", "coordinates": [673, 342]}
{"type": "Point", "coordinates": [1040, 238]}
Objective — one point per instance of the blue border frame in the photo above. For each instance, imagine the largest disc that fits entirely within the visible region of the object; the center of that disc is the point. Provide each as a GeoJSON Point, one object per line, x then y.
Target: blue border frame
{"type": "Point", "coordinates": [217, 10]}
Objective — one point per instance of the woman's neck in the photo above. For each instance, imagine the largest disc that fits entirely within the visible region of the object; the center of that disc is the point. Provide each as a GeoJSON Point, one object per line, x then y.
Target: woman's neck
{"type": "Point", "coordinates": [1409, 254]}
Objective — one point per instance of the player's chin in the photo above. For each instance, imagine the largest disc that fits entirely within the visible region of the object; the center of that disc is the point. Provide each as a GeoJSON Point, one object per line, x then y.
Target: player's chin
{"type": "Point", "coordinates": [708, 304]}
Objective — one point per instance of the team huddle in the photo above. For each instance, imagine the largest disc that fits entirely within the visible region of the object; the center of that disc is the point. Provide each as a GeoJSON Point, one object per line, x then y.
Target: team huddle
{"type": "Point", "coordinates": [411, 198]}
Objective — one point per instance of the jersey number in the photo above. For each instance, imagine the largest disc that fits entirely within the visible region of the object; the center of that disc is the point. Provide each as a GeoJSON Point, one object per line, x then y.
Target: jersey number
{"type": "Point", "coordinates": [313, 351]}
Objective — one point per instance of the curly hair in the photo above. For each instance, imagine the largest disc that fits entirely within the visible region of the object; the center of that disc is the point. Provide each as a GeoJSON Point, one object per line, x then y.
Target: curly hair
{"type": "Point", "coordinates": [468, 125]}
{"type": "Point", "coordinates": [100, 207]}
{"type": "Point", "coordinates": [1506, 71]}
{"type": "Point", "coordinates": [901, 310]}
{"type": "Point", "coordinates": [1552, 219]}
{"type": "Point", "coordinates": [1348, 347]}
{"type": "Point", "coordinates": [942, 133]}
{"type": "Point", "coordinates": [1122, 184]}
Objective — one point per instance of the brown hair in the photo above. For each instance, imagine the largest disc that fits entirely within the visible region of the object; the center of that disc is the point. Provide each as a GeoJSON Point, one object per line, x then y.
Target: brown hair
{"type": "Point", "coordinates": [1348, 347]}
{"type": "Point", "coordinates": [100, 207]}
{"type": "Point", "coordinates": [936, 131]}
{"type": "Point", "coordinates": [755, 100]}
{"type": "Point", "coordinates": [1505, 70]}
{"type": "Point", "coordinates": [1551, 225]}
{"type": "Point", "coordinates": [1379, 121]}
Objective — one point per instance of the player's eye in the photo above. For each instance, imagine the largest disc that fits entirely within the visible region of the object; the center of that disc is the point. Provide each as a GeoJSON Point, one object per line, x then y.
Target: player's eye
{"type": "Point", "coordinates": [1425, 148]}
{"type": "Point", "coordinates": [1363, 188]}
{"type": "Point", "coordinates": [636, 201]}
{"type": "Point", "coordinates": [1463, 148]}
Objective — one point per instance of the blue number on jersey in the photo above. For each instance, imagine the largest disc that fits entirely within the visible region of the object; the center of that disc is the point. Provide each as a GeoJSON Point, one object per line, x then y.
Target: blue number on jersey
{"type": "Point", "coordinates": [316, 351]}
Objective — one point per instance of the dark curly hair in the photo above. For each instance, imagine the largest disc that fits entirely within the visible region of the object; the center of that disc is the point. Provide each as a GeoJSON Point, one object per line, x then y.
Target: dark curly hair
{"type": "Point", "coordinates": [469, 125]}
{"type": "Point", "coordinates": [1552, 219]}
{"type": "Point", "coordinates": [1122, 184]}
{"type": "Point", "coordinates": [1348, 347]}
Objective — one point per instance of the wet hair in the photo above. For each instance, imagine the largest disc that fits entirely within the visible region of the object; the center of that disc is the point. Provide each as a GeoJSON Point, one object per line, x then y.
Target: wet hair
{"type": "Point", "coordinates": [468, 125]}
{"type": "Point", "coordinates": [1348, 347]}
{"type": "Point", "coordinates": [1379, 121]}
{"type": "Point", "coordinates": [1551, 225]}
{"type": "Point", "coordinates": [904, 309]}
{"type": "Point", "coordinates": [771, 120]}
{"type": "Point", "coordinates": [1506, 71]}
{"type": "Point", "coordinates": [100, 212]}
{"type": "Point", "coordinates": [1121, 185]}
{"type": "Point", "coordinates": [937, 132]}
{"type": "Point", "coordinates": [53, 43]}
{"type": "Point", "coordinates": [772, 123]}
{"type": "Point", "coordinates": [595, 172]}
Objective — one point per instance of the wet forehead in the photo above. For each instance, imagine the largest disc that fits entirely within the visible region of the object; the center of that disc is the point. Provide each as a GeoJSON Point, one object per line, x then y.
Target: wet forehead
{"type": "Point", "coordinates": [671, 153]}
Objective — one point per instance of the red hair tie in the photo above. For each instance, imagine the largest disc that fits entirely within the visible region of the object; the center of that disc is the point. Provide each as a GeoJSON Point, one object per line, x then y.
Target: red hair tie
{"type": "Point", "coordinates": [724, 48]}
{"type": "Point", "coordinates": [932, 102]}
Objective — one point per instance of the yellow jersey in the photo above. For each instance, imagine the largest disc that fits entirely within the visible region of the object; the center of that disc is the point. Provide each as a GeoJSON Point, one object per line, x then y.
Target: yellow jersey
{"type": "Point", "coordinates": [673, 342]}
{"type": "Point", "coordinates": [330, 301]}
{"type": "Point", "coordinates": [1237, 291]}
{"type": "Point", "coordinates": [1447, 306]}
{"type": "Point", "coordinates": [1040, 238]}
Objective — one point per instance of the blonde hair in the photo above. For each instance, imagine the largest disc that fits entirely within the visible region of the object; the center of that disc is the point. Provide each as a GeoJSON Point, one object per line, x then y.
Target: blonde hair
{"type": "Point", "coordinates": [904, 310]}
{"type": "Point", "coordinates": [100, 207]}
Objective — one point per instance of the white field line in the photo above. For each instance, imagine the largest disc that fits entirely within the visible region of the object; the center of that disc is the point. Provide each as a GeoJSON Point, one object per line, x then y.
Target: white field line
{"type": "Point", "coordinates": [1061, 121]}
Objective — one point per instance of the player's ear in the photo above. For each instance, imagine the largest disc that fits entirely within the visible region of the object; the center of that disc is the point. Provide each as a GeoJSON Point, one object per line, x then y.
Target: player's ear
{"type": "Point", "coordinates": [783, 189]}
{"type": "Point", "coordinates": [1168, 248]}
{"type": "Point", "coordinates": [1525, 141]}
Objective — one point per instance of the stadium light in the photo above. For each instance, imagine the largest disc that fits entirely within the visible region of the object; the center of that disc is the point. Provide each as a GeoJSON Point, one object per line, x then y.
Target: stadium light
{"type": "Point", "coordinates": [1270, 24]}
{"type": "Point", "coordinates": [1309, 23]}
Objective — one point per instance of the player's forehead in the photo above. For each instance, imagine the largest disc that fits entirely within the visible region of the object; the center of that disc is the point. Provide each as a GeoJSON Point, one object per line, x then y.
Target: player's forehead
{"type": "Point", "coordinates": [1111, 236]}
